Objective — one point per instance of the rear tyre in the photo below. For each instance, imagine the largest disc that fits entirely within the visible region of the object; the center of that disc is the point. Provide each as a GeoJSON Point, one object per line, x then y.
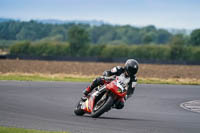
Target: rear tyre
{"type": "Point", "coordinates": [78, 111]}
{"type": "Point", "coordinates": [105, 107]}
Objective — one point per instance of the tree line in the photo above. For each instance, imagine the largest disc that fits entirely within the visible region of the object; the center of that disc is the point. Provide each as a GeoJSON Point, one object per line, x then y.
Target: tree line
{"type": "Point", "coordinates": [103, 34]}
{"type": "Point", "coordinates": [78, 46]}
{"type": "Point", "coordinates": [80, 40]}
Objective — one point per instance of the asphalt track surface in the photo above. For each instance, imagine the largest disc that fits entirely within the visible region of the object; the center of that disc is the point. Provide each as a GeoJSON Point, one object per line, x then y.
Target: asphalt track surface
{"type": "Point", "coordinates": [49, 106]}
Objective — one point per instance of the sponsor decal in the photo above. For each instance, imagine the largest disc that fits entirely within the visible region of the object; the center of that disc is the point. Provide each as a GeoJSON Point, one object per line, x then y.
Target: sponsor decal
{"type": "Point", "coordinates": [119, 90]}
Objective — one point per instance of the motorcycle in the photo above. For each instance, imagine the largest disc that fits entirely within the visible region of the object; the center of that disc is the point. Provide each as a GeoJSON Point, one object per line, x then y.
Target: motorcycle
{"type": "Point", "coordinates": [102, 98]}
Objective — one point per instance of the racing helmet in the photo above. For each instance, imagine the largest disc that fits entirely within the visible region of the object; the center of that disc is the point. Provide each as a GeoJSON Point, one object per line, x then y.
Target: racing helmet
{"type": "Point", "coordinates": [131, 67]}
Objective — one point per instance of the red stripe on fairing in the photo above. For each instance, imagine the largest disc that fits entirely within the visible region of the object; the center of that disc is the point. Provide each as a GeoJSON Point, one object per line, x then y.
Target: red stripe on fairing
{"type": "Point", "coordinates": [86, 106]}
{"type": "Point", "coordinates": [90, 105]}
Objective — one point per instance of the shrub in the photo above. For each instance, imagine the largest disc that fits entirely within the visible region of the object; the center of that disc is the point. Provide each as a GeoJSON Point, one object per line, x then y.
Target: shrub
{"type": "Point", "coordinates": [40, 49]}
{"type": "Point", "coordinates": [20, 48]}
{"type": "Point", "coordinates": [148, 52]}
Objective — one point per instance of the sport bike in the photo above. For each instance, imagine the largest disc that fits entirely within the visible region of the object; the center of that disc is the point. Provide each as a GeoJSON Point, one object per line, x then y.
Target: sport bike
{"type": "Point", "coordinates": [102, 98]}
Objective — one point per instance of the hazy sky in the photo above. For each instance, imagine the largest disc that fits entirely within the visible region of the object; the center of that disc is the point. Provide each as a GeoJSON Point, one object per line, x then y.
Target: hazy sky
{"type": "Point", "coordinates": [161, 13]}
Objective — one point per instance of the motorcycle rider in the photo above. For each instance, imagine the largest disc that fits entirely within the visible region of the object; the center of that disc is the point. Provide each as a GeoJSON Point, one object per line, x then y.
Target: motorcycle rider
{"type": "Point", "coordinates": [128, 72]}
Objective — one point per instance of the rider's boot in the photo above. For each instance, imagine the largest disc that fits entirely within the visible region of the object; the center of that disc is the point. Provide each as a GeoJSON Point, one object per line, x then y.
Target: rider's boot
{"type": "Point", "coordinates": [98, 81]}
{"type": "Point", "coordinates": [87, 91]}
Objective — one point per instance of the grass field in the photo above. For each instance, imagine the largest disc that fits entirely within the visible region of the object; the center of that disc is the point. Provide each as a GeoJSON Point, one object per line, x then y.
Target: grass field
{"type": "Point", "coordinates": [30, 70]}
{"type": "Point", "coordinates": [21, 130]}
{"type": "Point", "coordinates": [76, 78]}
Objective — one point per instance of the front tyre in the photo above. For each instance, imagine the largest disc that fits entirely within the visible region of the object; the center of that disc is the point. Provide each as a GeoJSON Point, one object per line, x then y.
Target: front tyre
{"type": "Point", "coordinates": [78, 111]}
{"type": "Point", "coordinates": [106, 105]}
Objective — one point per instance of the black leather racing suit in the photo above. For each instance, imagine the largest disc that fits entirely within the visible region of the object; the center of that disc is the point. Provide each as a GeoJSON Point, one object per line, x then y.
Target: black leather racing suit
{"type": "Point", "coordinates": [116, 71]}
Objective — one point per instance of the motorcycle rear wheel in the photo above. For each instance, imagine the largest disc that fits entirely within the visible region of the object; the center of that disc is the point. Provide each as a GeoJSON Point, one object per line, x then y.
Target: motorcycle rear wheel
{"type": "Point", "coordinates": [105, 107]}
{"type": "Point", "coordinates": [78, 111]}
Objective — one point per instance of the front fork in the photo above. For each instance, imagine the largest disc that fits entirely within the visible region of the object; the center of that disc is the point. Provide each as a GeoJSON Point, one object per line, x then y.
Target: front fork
{"type": "Point", "coordinates": [118, 101]}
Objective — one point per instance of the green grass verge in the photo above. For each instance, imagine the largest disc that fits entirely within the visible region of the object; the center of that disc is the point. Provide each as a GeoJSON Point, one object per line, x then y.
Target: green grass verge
{"type": "Point", "coordinates": [21, 130]}
{"type": "Point", "coordinates": [73, 78]}
{"type": "Point", "coordinates": [174, 81]}
{"type": "Point", "coordinates": [36, 77]}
